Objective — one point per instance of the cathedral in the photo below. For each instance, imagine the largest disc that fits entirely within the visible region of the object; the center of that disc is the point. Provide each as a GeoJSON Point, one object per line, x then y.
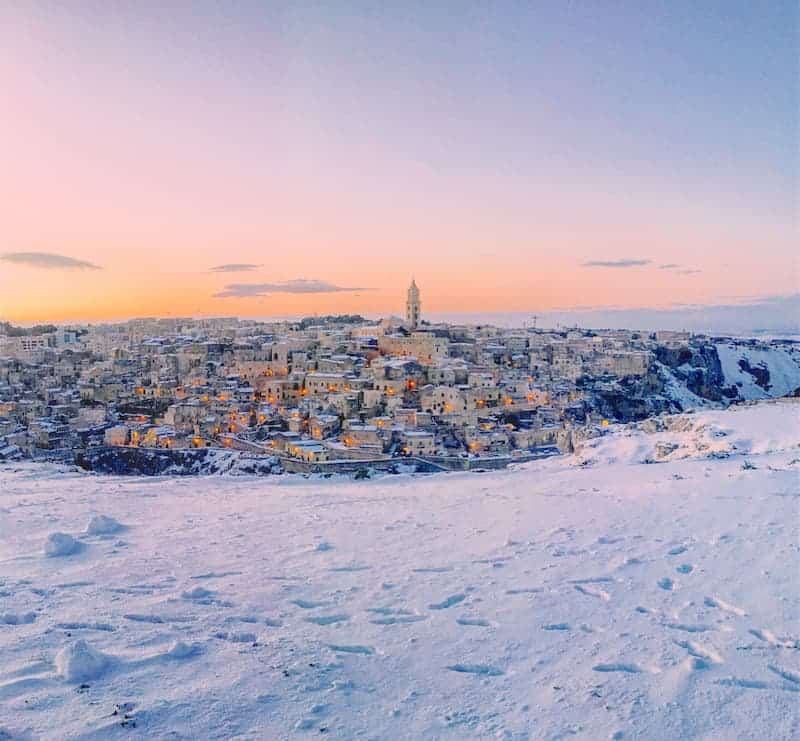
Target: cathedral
{"type": "Point", "coordinates": [412, 306]}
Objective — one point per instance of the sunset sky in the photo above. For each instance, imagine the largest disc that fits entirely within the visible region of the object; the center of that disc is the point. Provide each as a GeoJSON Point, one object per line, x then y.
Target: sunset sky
{"type": "Point", "coordinates": [273, 159]}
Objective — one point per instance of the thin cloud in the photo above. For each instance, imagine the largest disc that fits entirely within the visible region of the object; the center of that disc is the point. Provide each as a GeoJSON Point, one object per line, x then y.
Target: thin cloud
{"type": "Point", "coordinates": [616, 263]}
{"type": "Point", "coordinates": [299, 285]}
{"type": "Point", "coordinates": [48, 260]}
{"type": "Point", "coordinates": [678, 269]}
{"type": "Point", "coordinates": [729, 300]}
{"type": "Point", "coordinates": [234, 267]}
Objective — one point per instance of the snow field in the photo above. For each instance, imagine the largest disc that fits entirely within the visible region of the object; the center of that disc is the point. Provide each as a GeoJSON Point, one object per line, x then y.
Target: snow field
{"type": "Point", "coordinates": [589, 597]}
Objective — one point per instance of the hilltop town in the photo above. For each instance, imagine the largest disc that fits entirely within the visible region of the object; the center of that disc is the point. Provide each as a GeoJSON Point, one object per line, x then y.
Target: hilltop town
{"type": "Point", "coordinates": [343, 393]}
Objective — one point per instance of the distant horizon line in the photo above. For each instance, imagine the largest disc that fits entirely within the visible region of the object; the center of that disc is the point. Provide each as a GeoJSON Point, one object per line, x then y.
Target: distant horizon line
{"type": "Point", "coordinates": [732, 302]}
{"type": "Point", "coordinates": [764, 314]}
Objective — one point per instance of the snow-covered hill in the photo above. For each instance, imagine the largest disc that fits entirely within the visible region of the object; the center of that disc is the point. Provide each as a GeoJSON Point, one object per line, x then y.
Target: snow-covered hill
{"type": "Point", "coordinates": [752, 429]}
{"type": "Point", "coordinates": [760, 370]}
{"type": "Point", "coordinates": [591, 597]}
{"type": "Point", "coordinates": [727, 371]}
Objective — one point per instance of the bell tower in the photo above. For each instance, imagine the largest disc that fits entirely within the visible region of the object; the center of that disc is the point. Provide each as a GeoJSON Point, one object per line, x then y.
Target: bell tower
{"type": "Point", "coordinates": [412, 306]}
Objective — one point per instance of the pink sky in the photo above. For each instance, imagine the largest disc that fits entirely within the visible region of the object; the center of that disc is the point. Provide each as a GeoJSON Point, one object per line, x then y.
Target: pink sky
{"type": "Point", "coordinates": [157, 146]}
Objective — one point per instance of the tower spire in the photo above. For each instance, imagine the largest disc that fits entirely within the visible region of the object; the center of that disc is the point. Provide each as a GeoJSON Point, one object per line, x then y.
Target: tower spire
{"type": "Point", "coordinates": [413, 305]}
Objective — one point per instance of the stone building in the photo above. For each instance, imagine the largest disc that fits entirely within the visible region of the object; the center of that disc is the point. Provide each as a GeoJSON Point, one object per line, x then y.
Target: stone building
{"type": "Point", "coordinates": [413, 306]}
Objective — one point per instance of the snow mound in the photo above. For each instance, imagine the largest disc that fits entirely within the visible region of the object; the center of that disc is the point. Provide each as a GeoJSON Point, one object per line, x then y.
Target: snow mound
{"type": "Point", "coordinates": [747, 430]}
{"type": "Point", "coordinates": [80, 662]}
{"type": "Point", "coordinates": [181, 650]}
{"type": "Point", "coordinates": [198, 593]}
{"type": "Point", "coordinates": [60, 544]}
{"type": "Point", "coordinates": [103, 525]}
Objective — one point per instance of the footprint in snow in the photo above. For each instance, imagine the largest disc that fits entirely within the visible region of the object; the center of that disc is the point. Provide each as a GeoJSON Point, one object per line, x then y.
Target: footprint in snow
{"type": "Point", "coordinates": [397, 619]}
{"type": "Point", "coordinates": [389, 610]}
{"type": "Point", "coordinates": [702, 657]}
{"type": "Point", "coordinates": [215, 574]}
{"type": "Point", "coordinates": [752, 684]}
{"type": "Point", "coordinates": [474, 622]}
{"type": "Point", "coordinates": [724, 606]}
{"type": "Point", "coordinates": [236, 637]}
{"type": "Point", "coordinates": [789, 676]}
{"type": "Point", "coordinates": [351, 649]}
{"type": "Point", "coordinates": [14, 618]}
{"type": "Point", "coordinates": [307, 604]}
{"type": "Point", "coordinates": [483, 670]}
{"type": "Point", "coordinates": [593, 592]}
{"type": "Point", "coordinates": [432, 569]}
{"type": "Point", "coordinates": [525, 590]}
{"type": "Point", "coordinates": [107, 627]}
{"type": "Point", "coordinates": [625, 668]}
{"type": "Point", "coordinates": [327, 619]}
{"type": "Point", "coordinates": [769, 637]}
{"type": "Point", "coordinates": [453, 599]}
{"type": "Point", "coordinates": [138, 618]}
{"type": "Point", "coordinates": [689, 627]}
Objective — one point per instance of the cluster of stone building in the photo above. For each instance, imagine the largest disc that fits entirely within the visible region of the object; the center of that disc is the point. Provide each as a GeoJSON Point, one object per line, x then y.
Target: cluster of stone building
{"type": "Point", "coordinates": [314, 393]}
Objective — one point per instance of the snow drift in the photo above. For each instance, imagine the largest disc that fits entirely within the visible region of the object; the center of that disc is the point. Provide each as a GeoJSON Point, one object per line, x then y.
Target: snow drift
{"type": "Point", "coordinates": [741, 430]}
{"type": "Point", "coordinates": [60, 544]}
{"type": "Point", "coordinates": [80, 662]}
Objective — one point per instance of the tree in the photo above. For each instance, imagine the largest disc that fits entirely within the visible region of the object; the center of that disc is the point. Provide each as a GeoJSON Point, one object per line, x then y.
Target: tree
{"type": "Point", "coordinates": [10, 330]}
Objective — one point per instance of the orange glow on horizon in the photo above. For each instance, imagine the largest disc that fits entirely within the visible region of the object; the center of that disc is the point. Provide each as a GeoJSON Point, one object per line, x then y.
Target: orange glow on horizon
{"type": "Point", "coordinates": [121, 291]}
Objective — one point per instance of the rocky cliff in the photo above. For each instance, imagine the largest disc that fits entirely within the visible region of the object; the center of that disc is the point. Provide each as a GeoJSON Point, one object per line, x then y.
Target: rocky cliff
{"type": "Point", "coordinates": [703, 374]}
{"type": "Point", "coordinates": [151, 462]}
